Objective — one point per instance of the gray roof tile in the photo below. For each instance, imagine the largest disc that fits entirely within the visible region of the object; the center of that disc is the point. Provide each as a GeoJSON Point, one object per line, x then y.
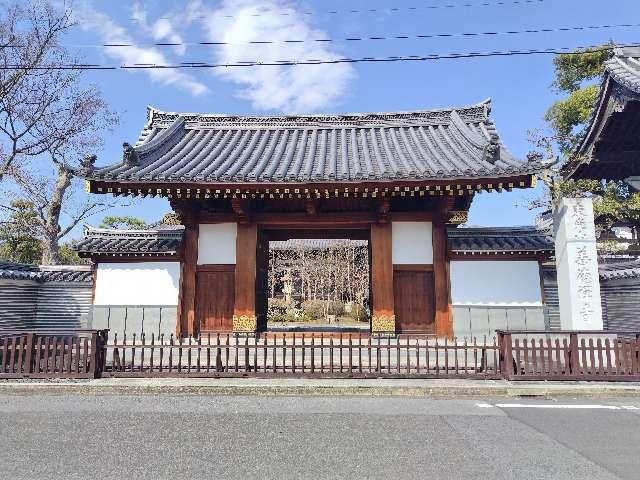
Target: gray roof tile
{"type": "Point", "coordinates": [624, 67]}
{"type": "Point", "coordinates": [619, 270]}
{"type": "Point", "coordinates": [106, 241]}
{"type": "Point", "coordinates": [45, 273]}
{"type": "Point", "coordinates": [459, 143]}
{"type": "Point", "coordinates": [500, 240]}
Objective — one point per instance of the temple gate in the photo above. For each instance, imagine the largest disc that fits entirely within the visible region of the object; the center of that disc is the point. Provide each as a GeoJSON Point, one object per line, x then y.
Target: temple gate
{"type": "Point", "coordinates": [395, 179]}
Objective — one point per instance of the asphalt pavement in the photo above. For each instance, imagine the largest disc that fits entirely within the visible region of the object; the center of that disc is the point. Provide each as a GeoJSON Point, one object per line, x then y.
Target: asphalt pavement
{"type": "Point", "coordinates": [240, 437]}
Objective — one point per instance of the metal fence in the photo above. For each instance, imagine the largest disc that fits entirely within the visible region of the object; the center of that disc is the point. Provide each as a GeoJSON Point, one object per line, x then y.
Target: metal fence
{"type": "Point", "coordinates": [576, 355]}
{"type": "Point", "coordinates": [52, 353]}
{"type": "Point", "coordinates": [303, 355]}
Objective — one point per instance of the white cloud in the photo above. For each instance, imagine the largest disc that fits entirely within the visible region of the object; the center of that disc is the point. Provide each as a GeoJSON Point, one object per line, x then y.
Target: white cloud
{"type": "Point", "coordinates": [110, 32]}
{"type": "Point", "coordinates": [161, 29]}
{"type": "Point", "coordinates": [285, 88]}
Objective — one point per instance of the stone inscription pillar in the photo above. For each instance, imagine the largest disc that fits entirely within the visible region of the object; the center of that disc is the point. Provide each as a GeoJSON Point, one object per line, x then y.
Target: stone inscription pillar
{"type": "Point", "coordinates": [577, 265]}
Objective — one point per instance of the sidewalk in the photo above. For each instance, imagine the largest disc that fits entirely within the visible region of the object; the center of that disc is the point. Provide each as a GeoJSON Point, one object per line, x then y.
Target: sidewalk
{"type": "Point", "coordinates": [330, 387]}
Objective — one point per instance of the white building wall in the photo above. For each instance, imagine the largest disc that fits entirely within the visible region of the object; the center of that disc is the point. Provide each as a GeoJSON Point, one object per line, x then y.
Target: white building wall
{"type": "Point", "coordinates": [412, 243]}
{"type": "Point", "coordinates": [137, 283]}
{"type": "Point", "coordinates": [495, 295]}
{"type": "Point", "coordinates": [502, 282]}
{"type": "Point", "coordinates": [217, 244]}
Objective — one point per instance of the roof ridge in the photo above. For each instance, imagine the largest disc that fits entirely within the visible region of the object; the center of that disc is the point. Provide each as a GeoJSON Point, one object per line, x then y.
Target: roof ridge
{"type": "Point", "coordinates": [153, 112]}
{"type": "Point", "coordinates": [116, 232]}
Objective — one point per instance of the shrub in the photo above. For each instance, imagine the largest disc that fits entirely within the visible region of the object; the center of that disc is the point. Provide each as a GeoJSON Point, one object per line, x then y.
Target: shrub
{"type": "Point", "coordinates": [277, 306]}
{"type": "Point", "coordinates": [358, 312]}
{"type": "Point", "coordinates": [316, 309]}
{"type": "Point", "coordinates": [335, 308]}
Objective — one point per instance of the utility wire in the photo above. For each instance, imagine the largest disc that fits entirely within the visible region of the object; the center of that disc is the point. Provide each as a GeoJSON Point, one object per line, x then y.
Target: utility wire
{"type": "Point", "coordinates": [377, 10]}
{"type": "Point", "coordinates": [355, 39]}
{"type": "Point", "coordinates": [256, 63]}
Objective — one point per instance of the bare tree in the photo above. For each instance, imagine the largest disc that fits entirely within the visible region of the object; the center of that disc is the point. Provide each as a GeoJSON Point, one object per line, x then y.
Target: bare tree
{"type": "Point", "coordinates": [48, 120]}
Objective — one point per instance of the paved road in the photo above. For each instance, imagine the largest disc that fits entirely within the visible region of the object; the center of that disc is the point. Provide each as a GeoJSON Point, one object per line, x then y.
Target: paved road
{"type": "Point", "coordinates": [316, 437]}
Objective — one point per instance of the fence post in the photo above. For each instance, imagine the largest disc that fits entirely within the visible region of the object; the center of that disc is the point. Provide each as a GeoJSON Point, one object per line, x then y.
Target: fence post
{"type": "Point", "coordinates": [96, 350]}
{"type": "Point", "coordinates": [574, 356]}
{"type": "Point", "coordinates": [506, 356]}
{"type": "Point", "coordinates": [29, 354]}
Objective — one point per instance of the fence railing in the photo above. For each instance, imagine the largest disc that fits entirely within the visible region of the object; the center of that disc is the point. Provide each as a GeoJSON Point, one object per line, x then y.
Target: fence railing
{"type": "Point", "coordinates": [512, 355]}
{"type": "Point", "coordinates": [575, 355]}
{"type": "Point", "coordinates": [301, 355]}
{"type": "Point", "coordinates": [52, 353]}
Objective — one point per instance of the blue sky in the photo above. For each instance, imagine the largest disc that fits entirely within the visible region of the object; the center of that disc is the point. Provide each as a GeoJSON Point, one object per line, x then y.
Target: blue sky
{"type": "Point", "coordinates": [518, 85]}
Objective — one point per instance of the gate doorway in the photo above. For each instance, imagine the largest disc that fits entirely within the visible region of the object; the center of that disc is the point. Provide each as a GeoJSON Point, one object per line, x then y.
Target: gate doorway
{"type": "Point", "coordinates": [313, 280]}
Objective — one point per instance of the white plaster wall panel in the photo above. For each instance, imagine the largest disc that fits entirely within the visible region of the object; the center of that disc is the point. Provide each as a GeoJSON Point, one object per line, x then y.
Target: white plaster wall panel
{"type": "Point", "coordinates": [137, 283]}
{"type": "Point", "coordinates": [500, 282]}
{"type": "Point", "coordinates": [217, 244]}
{"type": "Point", "coordinates": [411, 243]}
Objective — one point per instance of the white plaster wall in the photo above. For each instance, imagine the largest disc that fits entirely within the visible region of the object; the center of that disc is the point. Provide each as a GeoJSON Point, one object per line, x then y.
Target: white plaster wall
{"type": "Point", "coordinates": [495, 283]}
{"type": "Point", "coordinates": [137, 283]}
{"type": "Point", "coordinates": [411, 243]}
{"type": "Point", "coordinates": [217, 243]}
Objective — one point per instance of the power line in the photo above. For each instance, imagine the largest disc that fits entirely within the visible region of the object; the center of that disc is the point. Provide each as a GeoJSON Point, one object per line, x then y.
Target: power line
{"type": "Point", "coordinates": [378, 10]}
{"type": "Point", "coordinates": [356, 39]}
{"type": "Point", "coordinates": [390, 59]}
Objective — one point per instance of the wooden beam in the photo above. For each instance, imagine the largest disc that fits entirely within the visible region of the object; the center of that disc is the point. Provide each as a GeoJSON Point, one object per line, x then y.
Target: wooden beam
{"type": "Point", "coordinates": [444, 320]}
{"type": "Point", "coordinates": [244, 312]}
{"type": "Point", "coordinates": [186, 324]}
{"type": "Point", "coordinates": [383, 314]}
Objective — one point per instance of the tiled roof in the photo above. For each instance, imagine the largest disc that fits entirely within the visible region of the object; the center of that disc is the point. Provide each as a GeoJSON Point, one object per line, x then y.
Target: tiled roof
{"type": "Point", "coordinates": [66, 273]}
{"type": "Point", "coordinates": [457, 143]}
{"type": "Point", "coordinates": [624, 67]}
{"type": "Point", "coordinates": [610, 144]}
{"type": "Point", "coordinates": [614, 271]}
{"type": "Point", "coordinates": [45, 273]}
{"type": "Point", "coordinates": [500, 240]}
{"type": "Point", "coordinates": [102, 241]}
{"type": "Point", "coordinates": [19, 271]}
{"type": "Point", "coordinates": [315, 244]}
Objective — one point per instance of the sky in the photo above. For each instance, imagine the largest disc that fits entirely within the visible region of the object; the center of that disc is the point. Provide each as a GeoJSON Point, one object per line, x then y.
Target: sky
{"type": "Point", "coordinates": [519, 86]}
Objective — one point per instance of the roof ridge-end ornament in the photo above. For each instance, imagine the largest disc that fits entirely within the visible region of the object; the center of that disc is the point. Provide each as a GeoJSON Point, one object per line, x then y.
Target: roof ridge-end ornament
{"type": "Point", "coordinates": [492, 150]}
{"type": "Point", "coordinates": [129, 156]}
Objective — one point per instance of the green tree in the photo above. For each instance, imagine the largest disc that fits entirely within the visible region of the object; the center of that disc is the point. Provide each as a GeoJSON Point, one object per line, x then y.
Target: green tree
{"type": "Point", "coordinates": [577, 77]}
{"type": "Point", "coordinates": [123, 222]}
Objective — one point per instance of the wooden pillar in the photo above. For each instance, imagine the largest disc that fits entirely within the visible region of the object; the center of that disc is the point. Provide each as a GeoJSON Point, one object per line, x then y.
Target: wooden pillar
{"type": "Point", "coordinates": [186, 324]}
{"type": "Point", "coordinates": [244, 311]}
{"type": "Point", "coordinates": [444, 320]}
{"type": "Point", "coordinates": [383, 317]}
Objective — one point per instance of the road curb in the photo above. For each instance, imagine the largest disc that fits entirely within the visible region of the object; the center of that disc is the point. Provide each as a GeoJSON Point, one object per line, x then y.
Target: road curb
{"type": "Point", "coordinates": [317, 388]}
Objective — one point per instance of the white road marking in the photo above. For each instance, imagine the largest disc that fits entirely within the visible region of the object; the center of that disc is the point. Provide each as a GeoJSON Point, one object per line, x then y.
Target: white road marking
{"type": "Point", "coordinates": [558, 406]}
{"type": "Point", "coordinates": [484, 405]}
{"type": "Point", "coordinates": [629, 407]}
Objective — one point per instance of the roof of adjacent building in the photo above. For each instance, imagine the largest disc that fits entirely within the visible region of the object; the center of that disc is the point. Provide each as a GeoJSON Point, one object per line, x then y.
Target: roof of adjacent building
{"type": "Point", "coordinates": [106, 241]}
{"type": "Point", "coordinates": [610, 146]}
{"type": "Point", "coordinates": [620, 270]}
{"type": "Point", "coordinates": [483, 240]}
{"type": "Point", "coordinates": [45, 273]}
{"type": "Point", "coordinates": [453, 143]}
{"type": "Point", "coordinates": [478, 240]}
{"type": "Point", "coordinates": [315, 244]}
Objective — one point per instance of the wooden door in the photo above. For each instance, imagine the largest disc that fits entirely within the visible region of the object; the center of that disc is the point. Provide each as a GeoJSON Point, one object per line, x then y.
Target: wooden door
{"type": "Point", "coordinates": [215, 295]}
{"type": "Point", "coordinates": [414, 301]}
